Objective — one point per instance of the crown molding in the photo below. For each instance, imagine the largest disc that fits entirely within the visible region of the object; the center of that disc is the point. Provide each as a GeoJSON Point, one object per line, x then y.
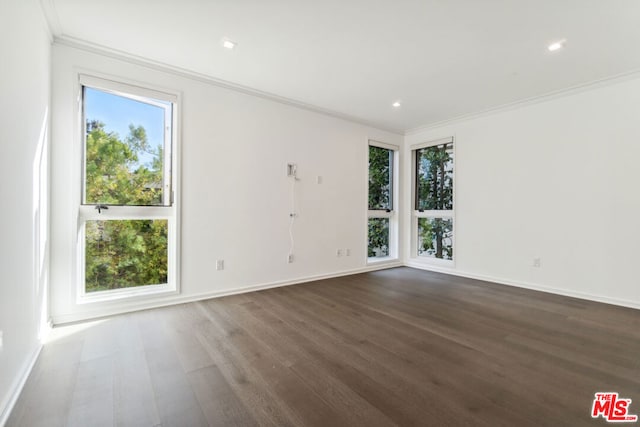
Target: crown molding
{"type": "Point", "coordinates": [51, 20]}
{"type": "Point", "coordinates": [54, 30]}
{"type": "Point", "coordinates": [64, 40]}
{"type": "Point", "coordinates": [561, 93]}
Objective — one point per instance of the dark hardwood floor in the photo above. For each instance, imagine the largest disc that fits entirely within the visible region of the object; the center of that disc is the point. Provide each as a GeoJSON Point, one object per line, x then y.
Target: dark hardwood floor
{"type": "Point", "coordinates": [393, 347]}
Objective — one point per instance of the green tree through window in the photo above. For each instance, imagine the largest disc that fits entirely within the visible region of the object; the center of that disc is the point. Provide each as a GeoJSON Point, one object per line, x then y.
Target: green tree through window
{"type": "Point", "coordinates": [114, 173]}
{"type": "Point", "coordinates": [380, 200]}
{"type": "Point", "coordinates": [434, 184]}
{"type": "Point", "coordinates": [124, 169]}
{"type": "Point", "coordinates": [123, 253]}
{"type": "Point", "coordinates": [435, 237]}
{"type": "Point", "coordinates": [434, 195]}
{"type": "Point", "coordinates": [380, 172]}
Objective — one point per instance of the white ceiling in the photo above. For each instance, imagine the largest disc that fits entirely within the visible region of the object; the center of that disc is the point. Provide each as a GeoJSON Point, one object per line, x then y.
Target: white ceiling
{"type": "Point", "coordinates": [441, 58]}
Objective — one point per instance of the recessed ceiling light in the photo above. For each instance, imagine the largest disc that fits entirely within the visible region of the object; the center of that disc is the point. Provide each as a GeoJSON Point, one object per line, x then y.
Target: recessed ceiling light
{"type": "Point", "coordinates": [556, 45]}
{"type": "Point", "coordinates": [228, 44]}
{"type": "Point", "coordinates": [396, 104]}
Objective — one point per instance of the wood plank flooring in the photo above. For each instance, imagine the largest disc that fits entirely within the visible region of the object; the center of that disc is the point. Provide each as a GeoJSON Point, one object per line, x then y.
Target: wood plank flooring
{"type": "Point", "coordinates": [393, 347]}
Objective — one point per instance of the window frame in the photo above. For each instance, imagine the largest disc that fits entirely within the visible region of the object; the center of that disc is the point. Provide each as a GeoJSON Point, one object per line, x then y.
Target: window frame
{"type": "Point", "coordinates": [391, 214]}
{"type": "Point", "coordinates": [435, 213]}
{"type": "Point", "coordinates": [168, 210]}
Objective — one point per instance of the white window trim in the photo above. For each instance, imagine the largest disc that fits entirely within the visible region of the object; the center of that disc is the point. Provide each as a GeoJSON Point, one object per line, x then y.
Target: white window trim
{"type": "Point", "coordinates": [434, 142]}
{"type": "Point", "coordinates": [116, 85]}
{"type": "Point", "coordinates": [169, 212]}
{"type": "Point", "coordinates": [380, 144]}
{"type": "Point", "coordinates": [394, 226]}
{"type": "Point", "coordinates": [415, 214]}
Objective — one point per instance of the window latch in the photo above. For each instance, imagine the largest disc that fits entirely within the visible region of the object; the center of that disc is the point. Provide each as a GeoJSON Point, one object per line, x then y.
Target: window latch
{"type": "Point", "coordinates": [100, 207]}
{"type": "Point", "coordinates": [388, 210]}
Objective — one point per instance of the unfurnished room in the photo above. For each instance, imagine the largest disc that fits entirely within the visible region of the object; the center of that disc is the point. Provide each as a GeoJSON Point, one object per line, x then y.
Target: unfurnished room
{"type": "Point", "coordinates": [329, 213]}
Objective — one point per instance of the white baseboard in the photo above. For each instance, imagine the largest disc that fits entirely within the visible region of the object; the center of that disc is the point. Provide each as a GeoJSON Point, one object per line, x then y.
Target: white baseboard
{"type": "Point", "coordinates": [527, 285]}
{"type": "Point", "coordinates": [18, 385]}
{"type": "Point", "coordinates": [180, 299]}
{"type": "Point", "coordinates": [61, 319]}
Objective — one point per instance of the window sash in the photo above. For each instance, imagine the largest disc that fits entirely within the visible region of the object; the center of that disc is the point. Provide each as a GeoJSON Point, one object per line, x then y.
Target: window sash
{"type": "Point", "coordinates": [445, 238]}
{"type": "Point", "coordinates": [85, 296]}
{"type": "Point", "coordinates": [416, 168]}
{"type": "Point", "coordinates": [392, 160]}
{"type": "Point", "coordinates": [387, 240]}
{"type": "Point", "coordinates": [133, 93]}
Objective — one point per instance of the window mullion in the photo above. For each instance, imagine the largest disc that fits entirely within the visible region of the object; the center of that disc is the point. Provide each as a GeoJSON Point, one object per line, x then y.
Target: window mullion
{"type": "Point", "coordinates": [433, 214]}
{"type": "Point", "coordinates": [380, 214]}
{"type": "Point", "coordinates": [88, 212]}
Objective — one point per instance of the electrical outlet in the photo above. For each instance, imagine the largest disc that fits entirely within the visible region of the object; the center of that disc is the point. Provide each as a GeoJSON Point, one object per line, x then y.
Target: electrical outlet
{"type": "Point", "coordinates": [220, 264]}
{"type": "Point", "coordinates": [537, 262]}
{"type": "Point", "coordinates": [338, 252]}
{"type": "Point", "coordinates": [347, 252]}
{"type": "Point", "coordinates": [318, 179]}
{"type": "Point", "coordinates": [290, 258]}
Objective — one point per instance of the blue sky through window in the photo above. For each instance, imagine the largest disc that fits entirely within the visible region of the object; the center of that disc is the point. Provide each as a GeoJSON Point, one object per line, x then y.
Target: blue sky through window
{"type": "Point", "coordinates": [117, 113]}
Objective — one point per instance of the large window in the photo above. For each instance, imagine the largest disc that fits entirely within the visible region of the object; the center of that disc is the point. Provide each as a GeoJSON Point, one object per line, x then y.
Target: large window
{"type": "Point", "coordinates": [128, 206]}
{"type": "Point", "coordinates": [433, 197]}
{"type": "Point", "coordinates": [382, 227]}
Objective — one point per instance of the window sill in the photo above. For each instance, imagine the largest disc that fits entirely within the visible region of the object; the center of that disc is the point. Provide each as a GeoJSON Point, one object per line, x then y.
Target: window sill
{"type": "Point", "coordinates": [446, 263]}
{"type": "Point", "coordinates": [130, 293]}
{"type": "Point", "coordinates": [381, 260]}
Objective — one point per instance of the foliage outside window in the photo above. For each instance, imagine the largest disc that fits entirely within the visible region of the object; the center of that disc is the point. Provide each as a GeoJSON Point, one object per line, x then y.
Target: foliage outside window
{"type": "Point", "coordinates": [121, 171]}
{"type": "Point", "coordinates": [380, 173]}
{"type": "Point", "coordinates": [378, 237]}
{"type": "Point", "coordinates": [434, 184]}
{"type": "Point", "coordinates": [127, 190]}
{"type": "Point", "coordinates": [124, 254]}
{"type": "Point", "coordinates": [435, 237]}
{"type": "Point", "coordinates": [434, 201]}
{"type": "Point", "coordinates": [381, 201]}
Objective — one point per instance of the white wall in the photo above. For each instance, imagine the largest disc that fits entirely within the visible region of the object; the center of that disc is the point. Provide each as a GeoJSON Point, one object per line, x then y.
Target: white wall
{"type": "Point", "coordinates": [556, 180]}
{"type": "Point", "coordinates": [25, 52]}
{"type": "Point", "coordinates": [235, 193]}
